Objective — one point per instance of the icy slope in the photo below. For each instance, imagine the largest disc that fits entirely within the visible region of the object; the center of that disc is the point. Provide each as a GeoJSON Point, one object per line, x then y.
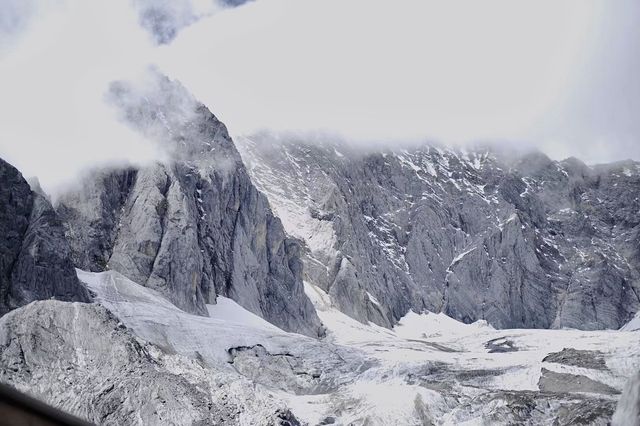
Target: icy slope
{"type": "Point", "coordinates": [452, 373]}
{"type": "Point", "coordinates": [633, 325]}
{"type": "Point", "coordinates": [429, 369]}
{"type": "Point", "coordinates": [80, 358]}
{"type": "Point", "coordinates": [153, 318]}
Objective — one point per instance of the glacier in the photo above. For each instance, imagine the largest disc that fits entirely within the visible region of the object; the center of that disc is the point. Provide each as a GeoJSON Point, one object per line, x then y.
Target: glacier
{"type": "Point", "coordinates": [428, 369]}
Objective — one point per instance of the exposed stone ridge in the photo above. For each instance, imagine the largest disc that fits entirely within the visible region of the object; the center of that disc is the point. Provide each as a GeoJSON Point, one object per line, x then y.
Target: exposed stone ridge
{"type": "Point", "coordinates": [193, 226]}
{"type": "Point", "coordinates": [516, 239]}
{"type": "Point", "coordinates": [35, 260]}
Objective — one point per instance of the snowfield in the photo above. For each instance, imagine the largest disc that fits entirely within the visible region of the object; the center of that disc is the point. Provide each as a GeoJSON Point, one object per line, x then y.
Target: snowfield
{"type": "Point", "coordinates": [633, 325]}
{"type": "Point", "coordinates": [430, 369]}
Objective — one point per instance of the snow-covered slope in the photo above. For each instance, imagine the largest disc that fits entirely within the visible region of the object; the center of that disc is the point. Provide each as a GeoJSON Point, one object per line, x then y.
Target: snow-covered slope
{"type": "Point", "coordinates": [428, 369]}
{"type": "Point", "coordinates": [153, 318]}
{"type": "Point", "coordinates": [633, 325]}
{"type": "Point", "coordinates": [80, 358]}
{"type": "Point", "coordinates": [474, 374]}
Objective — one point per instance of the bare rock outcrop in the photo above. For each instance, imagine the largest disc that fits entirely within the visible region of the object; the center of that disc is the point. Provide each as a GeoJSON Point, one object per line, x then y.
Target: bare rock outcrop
{"type": "Point", "coordinates": [193, 226]}
{"type": "Point", "coordinates": [35, 261]}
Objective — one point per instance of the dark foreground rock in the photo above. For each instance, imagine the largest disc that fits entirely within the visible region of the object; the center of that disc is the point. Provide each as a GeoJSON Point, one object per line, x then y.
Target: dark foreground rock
{"type": "Point", "coordinates": [35, 261]}
{"type": "Point", "coordinates": [578, 358]}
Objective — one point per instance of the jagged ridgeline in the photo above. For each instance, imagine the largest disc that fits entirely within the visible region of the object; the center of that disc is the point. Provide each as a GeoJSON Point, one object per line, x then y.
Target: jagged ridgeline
{"type": "Point", "coordinates": [515, 239]}
{"type": "Point", "coordinates": [193, 226]}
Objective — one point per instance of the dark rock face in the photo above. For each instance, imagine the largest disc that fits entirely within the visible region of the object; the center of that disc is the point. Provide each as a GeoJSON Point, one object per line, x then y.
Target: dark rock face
{"type": "Point", "coordinates": [284, 417]}
{"type": "Point", "coordinates": [550, 381]}
{"type": "Point", "coordinates": [578, 358]}
{"type": "Point", "coordinates": [517, 240]}
{"type": "Point", "coordinates": [94, 212]}
{"type": "Point", "coordinates": [526, 407]}
{"type": "Point", "coordinates": [192, 227]}
{"type": "Point", "coordinates": [35, 258]}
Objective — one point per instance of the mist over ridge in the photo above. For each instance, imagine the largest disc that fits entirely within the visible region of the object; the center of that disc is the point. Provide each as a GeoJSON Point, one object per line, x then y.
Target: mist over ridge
{"type": "Point", "coordinates": [570, 90]}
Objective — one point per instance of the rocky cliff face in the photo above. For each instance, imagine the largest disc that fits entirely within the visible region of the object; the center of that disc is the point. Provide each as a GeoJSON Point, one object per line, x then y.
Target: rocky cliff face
{"type": "Point", "coordinates": [35, 258]}
{"type": "Point", "coordinates": [193, 226]}
{"type": "Point", "coordinates": [517, 240]}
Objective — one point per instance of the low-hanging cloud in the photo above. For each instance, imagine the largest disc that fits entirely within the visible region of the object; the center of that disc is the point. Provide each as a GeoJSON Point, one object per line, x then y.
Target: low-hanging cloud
{"type": "Point", "coordinates": [557, 74]}
{"type": "Point", "coordinates": [58, 59]}
{"type": "Point", "coordinates": [54, 121]}
{"type": "Point", "coordinates": [164, 19]}
{"type": "Point", "coordinates": [532, 72]}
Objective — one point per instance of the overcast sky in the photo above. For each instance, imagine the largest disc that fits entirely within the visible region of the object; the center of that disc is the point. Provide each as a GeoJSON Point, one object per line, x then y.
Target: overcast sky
{"type": "Point", "coordinates": [559, 75]}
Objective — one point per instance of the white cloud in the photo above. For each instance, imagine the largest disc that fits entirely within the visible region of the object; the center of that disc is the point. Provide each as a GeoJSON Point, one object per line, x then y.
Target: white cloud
{"type": "Point", "coordinates": [453, 71]}
{"type": "Point", "coordinates": [558, 74]}
{"type": "Point", "coordinates": [165, 18]}
{"type": "Point", "coordinates": [54, 120]}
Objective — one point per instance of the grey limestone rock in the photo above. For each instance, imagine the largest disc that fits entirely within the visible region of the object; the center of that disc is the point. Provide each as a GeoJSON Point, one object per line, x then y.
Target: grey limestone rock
{"type": "Point", "coordinates": [551, 381]}
{"type": "Point", "coordinates": [191, 227]}
{"type": "Point", "coordinates": [516, 239]}
{"type": "Point", "coordinates": [578, 358]}
{"type": "Point", "coordinates": [35, 260]}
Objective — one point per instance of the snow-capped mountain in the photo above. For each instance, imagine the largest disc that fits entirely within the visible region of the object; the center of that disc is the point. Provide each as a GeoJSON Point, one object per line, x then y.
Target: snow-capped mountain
{"type": "Point", "coordinates": [517, 240]}
{"type": "Point", "coordinates": [193, 227]}
{"type": "Point", "coordinates": [287, 281]}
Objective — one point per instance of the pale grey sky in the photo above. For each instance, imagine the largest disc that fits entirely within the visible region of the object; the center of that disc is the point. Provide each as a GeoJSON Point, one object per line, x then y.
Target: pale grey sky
{"type": "Point", "coordinates": [560, 75]}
